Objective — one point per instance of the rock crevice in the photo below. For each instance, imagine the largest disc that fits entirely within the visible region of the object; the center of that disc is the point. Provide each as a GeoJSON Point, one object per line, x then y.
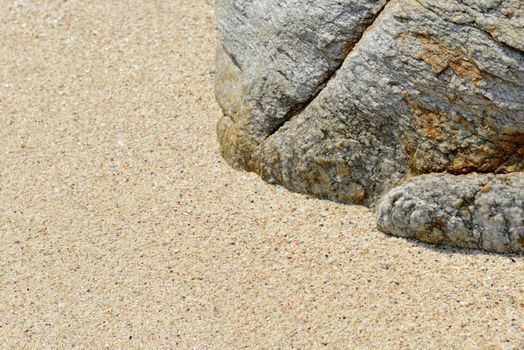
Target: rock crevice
{"type": "Point", "coordinates": [300, 107]}
{"type": "Point", "coordinates": [288, 51]}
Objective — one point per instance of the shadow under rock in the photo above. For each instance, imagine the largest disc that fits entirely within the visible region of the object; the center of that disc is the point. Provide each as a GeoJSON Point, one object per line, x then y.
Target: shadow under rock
{"type": "Point", "coordinates": [455, 250]}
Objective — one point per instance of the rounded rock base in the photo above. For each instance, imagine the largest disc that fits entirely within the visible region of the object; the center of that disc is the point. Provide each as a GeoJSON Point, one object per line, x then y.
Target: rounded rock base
{"type": "Point", "coordinates": [470, 211]}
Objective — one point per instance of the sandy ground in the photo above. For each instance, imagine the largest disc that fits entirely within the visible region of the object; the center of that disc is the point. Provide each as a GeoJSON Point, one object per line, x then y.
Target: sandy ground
{"type": "Point", "coordinates": [121, 227]}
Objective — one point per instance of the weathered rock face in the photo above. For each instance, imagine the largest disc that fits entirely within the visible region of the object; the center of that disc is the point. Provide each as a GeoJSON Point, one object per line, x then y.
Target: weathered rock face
{"type": "Point", "coordinates": [274, 57]}
{"type": "Point", "coordinates": [347, 100]}
{"type": "Point", "coordinates": [475, 211]}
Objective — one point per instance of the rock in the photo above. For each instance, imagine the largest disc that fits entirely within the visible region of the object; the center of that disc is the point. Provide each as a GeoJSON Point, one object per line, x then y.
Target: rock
{"type": "Point", "coordinates": [273, 59]}
{"type": "Point", "coordinates": [346, 100]}
{"type": "Point", "coordinates": [475, 211]}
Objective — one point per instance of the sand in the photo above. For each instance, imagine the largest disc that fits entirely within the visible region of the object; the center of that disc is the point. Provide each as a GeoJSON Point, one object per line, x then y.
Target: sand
{"type": "Point", "coordinates": [121, 226]}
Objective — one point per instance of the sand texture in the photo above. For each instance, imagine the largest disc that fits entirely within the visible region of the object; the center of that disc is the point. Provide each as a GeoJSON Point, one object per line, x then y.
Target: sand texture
{"type": "Point", "coordinates": [121, 227]}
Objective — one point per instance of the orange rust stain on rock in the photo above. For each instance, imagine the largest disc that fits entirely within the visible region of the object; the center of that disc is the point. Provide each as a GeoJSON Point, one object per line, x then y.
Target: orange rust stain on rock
{"type": "Point", "coordinates": [440, 57]}
{"type": "Point", "coordinates": [485, 151]}
{"type": "Point", "coordinates": [433, 124]}
{"type": "Point", "coordinates": [440, 224]}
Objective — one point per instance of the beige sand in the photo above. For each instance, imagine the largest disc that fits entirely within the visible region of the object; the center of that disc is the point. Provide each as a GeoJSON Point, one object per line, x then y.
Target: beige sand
{"type": "Point", "coordinates": [121, 226]}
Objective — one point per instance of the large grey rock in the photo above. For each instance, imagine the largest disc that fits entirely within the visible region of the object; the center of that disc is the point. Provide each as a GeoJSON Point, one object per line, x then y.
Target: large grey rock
{"type": "Point", "coordinates": [346, 100]}
{"type": "Point", "coordinates": [274, 57]}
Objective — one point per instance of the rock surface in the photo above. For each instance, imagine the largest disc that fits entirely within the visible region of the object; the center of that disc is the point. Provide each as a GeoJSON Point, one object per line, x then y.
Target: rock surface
{"type": "Point", "coordinates": [274, 57]}
{"type": "Point", "coordinates": [346, 100]}
{"type": "Point", "coordinates": [474, 211]}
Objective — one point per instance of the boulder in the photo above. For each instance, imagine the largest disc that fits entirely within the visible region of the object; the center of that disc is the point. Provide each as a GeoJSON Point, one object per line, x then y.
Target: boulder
{"type": "Point", "coordinates": [474, 211]}
{"type": "Point", "coordinates": [356, 100]}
